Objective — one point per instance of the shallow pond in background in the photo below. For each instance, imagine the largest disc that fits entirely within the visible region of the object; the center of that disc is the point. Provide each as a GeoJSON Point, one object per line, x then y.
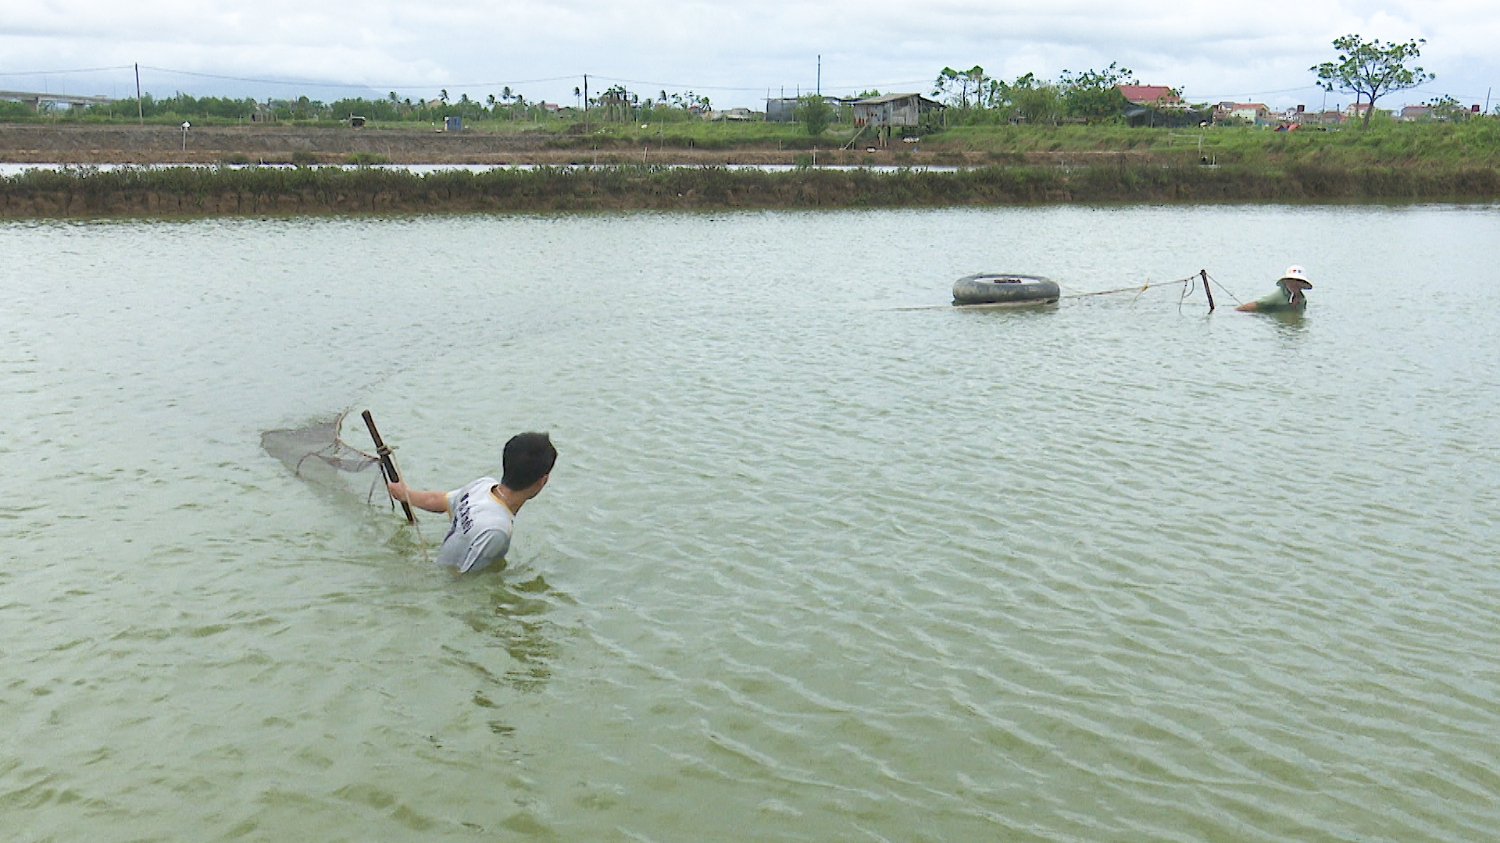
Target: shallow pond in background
{"type": "Point", "coordinates": [813, 565]}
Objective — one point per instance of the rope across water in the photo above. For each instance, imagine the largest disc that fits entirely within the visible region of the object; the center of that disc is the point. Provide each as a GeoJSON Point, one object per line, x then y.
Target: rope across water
{"type": "Point", "coordinates": [1189, 285]}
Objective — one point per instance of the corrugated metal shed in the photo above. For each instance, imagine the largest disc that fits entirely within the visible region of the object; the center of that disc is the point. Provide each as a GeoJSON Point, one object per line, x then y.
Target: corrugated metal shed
{"type": "Point", "coordinates": [893, 110]}
{"type": "Point", "coordinates": [781, 109]}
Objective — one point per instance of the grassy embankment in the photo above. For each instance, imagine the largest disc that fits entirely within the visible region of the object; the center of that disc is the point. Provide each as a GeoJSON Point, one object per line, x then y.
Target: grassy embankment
{"type": "Point", "coordinates": [1022, 165]}
{"type": "Point", "coordinates": [1475, 143]}
{"type": "Point", "coordinates": [270, 191]}
{"type": "Point", "coordinates": [1471, 143]}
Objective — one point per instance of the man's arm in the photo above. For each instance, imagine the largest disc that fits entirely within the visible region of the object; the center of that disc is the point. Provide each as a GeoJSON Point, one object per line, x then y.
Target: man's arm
{"type": "Point", "coordinates": [430, 501]}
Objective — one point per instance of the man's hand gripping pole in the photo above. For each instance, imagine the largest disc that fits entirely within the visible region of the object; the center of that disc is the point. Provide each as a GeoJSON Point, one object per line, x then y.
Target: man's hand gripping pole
{"type": "Point", "coordinates": [387, 466]}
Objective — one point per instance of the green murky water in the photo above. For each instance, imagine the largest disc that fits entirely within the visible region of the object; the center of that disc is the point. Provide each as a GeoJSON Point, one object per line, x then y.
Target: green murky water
{"type": "Point", "coordinates": [811, 566]}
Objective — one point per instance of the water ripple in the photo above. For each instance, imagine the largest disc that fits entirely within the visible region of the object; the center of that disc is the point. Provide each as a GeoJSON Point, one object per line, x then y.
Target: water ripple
{"type": "Point", "coordinates": [811, 567]}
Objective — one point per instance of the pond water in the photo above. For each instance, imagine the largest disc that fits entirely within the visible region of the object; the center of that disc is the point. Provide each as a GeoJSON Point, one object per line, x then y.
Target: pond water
{"type": "Point", "coordinates": [813, 564]}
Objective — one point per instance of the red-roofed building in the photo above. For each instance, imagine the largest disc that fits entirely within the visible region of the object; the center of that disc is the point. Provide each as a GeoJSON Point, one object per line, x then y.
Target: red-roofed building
{"type": "Point", "coordinates": [1158, 96]}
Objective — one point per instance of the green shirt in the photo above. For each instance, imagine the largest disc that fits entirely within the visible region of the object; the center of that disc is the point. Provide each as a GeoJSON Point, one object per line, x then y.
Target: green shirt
{"type": "Point", "coordinates": [1279, 300]}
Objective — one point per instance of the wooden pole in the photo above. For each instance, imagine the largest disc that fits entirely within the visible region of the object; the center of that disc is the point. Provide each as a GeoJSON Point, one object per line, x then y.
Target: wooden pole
{"type": "Point", "coordinates": [387, 467]}
{"type": "Point", "coordinates": [139, 109]}
{"type": "Point", "coordinates": [1206, 291]}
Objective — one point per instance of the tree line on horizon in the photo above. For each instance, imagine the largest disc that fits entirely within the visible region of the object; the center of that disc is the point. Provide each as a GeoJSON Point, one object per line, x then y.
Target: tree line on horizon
{"type": "Point", "coordinates": [975, 97]}
{"type": "Point", "coordinates": [614, 103]}
{"type": "Point", "coordinates": [1368, 69]}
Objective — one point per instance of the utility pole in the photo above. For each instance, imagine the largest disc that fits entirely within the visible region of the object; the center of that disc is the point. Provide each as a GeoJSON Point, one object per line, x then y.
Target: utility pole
{"type": "Point", "coordinates": [820, 74]}
{"type": "Point", "coordinates": [139, 110]}
{"type": "Point", "coordinates": [585, 102]}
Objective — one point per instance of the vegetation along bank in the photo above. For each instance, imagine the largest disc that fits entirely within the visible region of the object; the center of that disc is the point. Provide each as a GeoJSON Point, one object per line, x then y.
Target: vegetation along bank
{"type": "Point", "coordinates": [257, 191]}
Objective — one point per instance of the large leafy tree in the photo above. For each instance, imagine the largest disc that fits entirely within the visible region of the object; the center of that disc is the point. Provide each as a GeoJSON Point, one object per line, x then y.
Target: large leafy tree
{"type": "Point", "coordinates": [963, 88]}
{"type": "Point", "coordinates": [1035, 101]}
{"type": "Point", "coordinates": [1094, 94]}
{"type": "Point", "coordinates": [1371, 69]}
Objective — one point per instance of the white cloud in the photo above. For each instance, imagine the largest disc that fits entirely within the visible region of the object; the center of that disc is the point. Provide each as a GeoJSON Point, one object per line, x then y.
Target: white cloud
{"type": "Point", "coordinates": [733, 50]}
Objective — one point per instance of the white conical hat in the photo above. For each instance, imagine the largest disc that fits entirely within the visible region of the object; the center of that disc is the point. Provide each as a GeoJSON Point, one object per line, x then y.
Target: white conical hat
{"type": "Point", "coordinates": [1296, 273]}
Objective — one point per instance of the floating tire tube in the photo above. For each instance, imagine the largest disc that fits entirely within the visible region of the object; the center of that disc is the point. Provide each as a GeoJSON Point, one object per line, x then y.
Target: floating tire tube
{"type": "Point", "coordinates": [1004, 288]}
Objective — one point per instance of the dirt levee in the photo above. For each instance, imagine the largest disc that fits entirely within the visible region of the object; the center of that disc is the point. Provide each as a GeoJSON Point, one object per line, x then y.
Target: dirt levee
{"type": "Point", "coordinates": [150, 144]}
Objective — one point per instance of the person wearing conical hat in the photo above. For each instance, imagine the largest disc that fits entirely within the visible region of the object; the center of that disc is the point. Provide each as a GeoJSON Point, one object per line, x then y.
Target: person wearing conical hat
{"type": "Point", "coordinates": [1288, 295]}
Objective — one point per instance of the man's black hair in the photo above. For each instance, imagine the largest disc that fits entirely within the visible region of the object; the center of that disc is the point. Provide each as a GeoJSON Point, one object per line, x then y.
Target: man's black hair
{"type": "Point", "coordinates": [527, 457]}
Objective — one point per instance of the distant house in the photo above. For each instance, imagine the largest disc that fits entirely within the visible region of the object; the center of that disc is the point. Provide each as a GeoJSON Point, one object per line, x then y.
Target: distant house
{"type": "Point", "coordinates": [738, 114]}
{"type": "Point", "coordinates": [1302, 117]}
{"type": "Point", "coordinates": [1255, 113]}
{"type": "Point", "coordinates": [1413, 113]}
{"type": "Point", "coordinates": [1151, 96]}
{"type": "Point", "coordinates": [551, 107]}
{"type": "Point", "coordinates": [894, 110]}
{"type": "Point", "coordinates": [1155, 105]}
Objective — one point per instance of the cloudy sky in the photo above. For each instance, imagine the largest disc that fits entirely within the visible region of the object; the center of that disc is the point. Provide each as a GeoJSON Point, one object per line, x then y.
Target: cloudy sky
{"type": "Point", "coordinates": [733, 52]}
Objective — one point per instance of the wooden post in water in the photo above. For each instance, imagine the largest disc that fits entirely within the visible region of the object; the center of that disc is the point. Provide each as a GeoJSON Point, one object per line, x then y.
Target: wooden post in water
{"type": "Point", "coordinates": [387, 467]}
{"type": "Point", "coordinates": [1206, 290]}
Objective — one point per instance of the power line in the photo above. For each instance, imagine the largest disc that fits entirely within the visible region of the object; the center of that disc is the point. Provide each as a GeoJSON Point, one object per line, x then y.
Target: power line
{"type": "Point", "coordinates": [61, 72]}
{"type": "Point", "coordinates": [676, 84]}
{"type": "Point", "coordinates": [757, 88]}
{"type": "Point", "coordinates": [1252, 93]}
{"type": "Point", "coordinates": [369, 85]}
{"type": "Point", "coordinates": [1447, 94]}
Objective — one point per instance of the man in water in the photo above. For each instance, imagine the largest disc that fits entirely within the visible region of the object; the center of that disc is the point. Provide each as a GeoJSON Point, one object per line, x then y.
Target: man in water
{"type": "Point", "coordinates": [484, 510]}
{"type": "Point", "coordinates": [1288, 295]}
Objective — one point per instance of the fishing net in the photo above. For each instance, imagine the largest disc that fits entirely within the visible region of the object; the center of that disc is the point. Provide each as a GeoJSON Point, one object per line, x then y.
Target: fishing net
{"type": "Point", "coordinates": [318, 454]}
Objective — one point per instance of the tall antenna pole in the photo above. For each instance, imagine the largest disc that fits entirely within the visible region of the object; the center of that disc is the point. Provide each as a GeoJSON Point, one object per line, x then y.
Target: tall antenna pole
{"type": "Point", "coordinates": [139, 110]}
{"type": "Point", "coordinates": [585, 102]}
{"type": "Point", "coordinates": [820, 74]}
